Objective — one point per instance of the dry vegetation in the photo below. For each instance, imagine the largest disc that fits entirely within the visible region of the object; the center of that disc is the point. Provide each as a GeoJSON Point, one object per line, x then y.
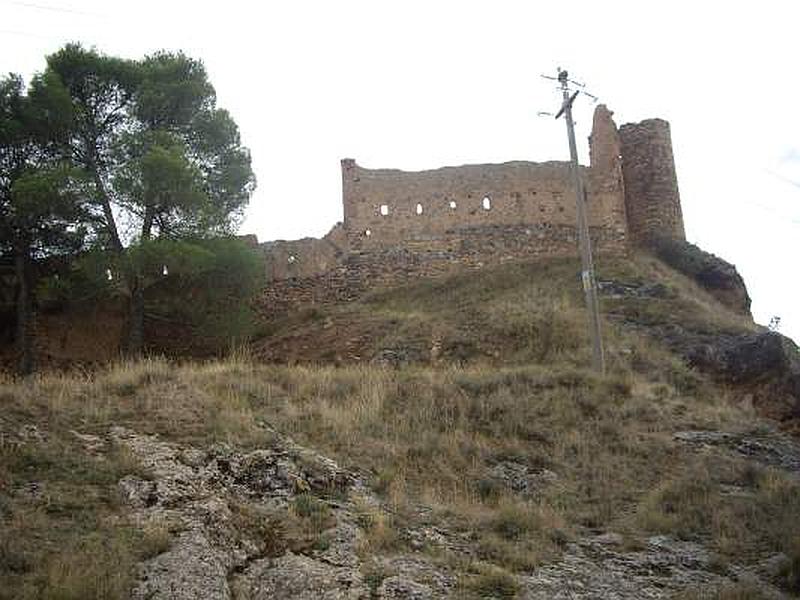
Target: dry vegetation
{"type": "Point", "coordinates": [513, 314]}
{"type": "Point", "coordinates": [428, 439]}
{"type": "Point", "coordinates": [422, 437]}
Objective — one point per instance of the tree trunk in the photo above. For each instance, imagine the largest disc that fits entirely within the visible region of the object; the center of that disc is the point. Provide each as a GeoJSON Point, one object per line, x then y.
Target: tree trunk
{"type": "Point", "coordinates": [25, 326]}
{"type": "Point", "coordinates": [135, 342]}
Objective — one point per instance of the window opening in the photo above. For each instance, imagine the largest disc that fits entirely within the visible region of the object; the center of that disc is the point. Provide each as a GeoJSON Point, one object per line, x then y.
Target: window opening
{"type": "Point", "coordinates": [452, 204]}
{"type": "Point", "coordinates": [292, 258]}
{"type": "Point", "coordinates": [487, 203]}
{"type": "Point", "coordinates": [384, 209]}
{"type": "Point", "coordinates": [419, 208]}
{"type": "Point", "coordinates": [368, 232]}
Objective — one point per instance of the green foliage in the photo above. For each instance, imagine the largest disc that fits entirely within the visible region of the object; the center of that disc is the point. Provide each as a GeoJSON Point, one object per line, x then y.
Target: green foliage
{"type": "Point", "coordinates": [159, 151]}
{"type": "Point", "coordinates": [207, 284]}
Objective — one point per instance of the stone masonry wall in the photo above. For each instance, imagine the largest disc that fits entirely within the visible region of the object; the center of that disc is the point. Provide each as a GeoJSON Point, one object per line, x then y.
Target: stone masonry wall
{"type": "Point", "coordinates": [305, 257]}
{"type": "Point", "coordinates": [651, 186]}
{"type": "Point", "coordinates": [468, 249]}
{"type": "Point", "coordinates": [386, 207]}
{"type": "Point", "coordinates": [400, 225]}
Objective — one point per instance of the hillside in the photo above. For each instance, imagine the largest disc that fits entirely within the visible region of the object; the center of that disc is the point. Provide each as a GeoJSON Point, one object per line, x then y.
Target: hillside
{"type": "Point", "coordinates": [441, 439]}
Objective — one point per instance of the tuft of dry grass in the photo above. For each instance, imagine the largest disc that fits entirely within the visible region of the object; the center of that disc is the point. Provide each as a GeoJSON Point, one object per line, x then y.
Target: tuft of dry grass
{"type": "Point", "coordinates": [740, 509]}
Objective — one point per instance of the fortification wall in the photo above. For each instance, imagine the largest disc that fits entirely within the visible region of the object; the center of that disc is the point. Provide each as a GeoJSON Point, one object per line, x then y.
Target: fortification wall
{"type": "Point", "coordinates": [402, 225]}
{"type": "Point", "coordinates": [471, 248]}
{"type": "Point", "coordinates": [306, 257]}
{"type": "Point", "coordinates": [387, 207]}
{"type": "Point", "coordinates": [652, 199]}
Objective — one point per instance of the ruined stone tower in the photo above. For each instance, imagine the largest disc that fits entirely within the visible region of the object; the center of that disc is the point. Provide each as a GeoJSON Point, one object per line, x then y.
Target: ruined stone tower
{"type": "Point", "coordinates": [401, 225]}
{"type": "Point", "coordinates": [652, 201]}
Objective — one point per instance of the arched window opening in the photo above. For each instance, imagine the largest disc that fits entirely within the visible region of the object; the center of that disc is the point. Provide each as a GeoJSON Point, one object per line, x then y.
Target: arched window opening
{"type": "Point", "coordinates": [487, 203]}
{"type": "Point", "coordinates": [292, 258]}
{"type": "Point", "coordinates": [419, 208]}
{"type": "Point", "coordinates": [453, 204]}
{"type": "Point", "coordinates": [384, 209]}
{"type": "Point", "coordinates": [165, 271]}
{"type": "Point", "coordinates": [368, 232]}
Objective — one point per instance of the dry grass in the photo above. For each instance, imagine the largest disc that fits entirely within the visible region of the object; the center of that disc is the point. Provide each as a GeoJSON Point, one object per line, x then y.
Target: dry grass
{"type": "Point", "coordinates": [741, 509]}
{"type": "Point", "coordinates": [424, 436]}
{"type": "Point", "coordinates": [510, 394]}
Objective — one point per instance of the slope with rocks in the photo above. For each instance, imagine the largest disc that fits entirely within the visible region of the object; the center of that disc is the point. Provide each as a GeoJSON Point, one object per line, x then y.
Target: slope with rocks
{"type": "Point", "coordinates": [457, 448]}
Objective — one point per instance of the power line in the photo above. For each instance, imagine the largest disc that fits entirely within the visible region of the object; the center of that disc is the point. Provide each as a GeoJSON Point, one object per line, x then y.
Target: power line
{"type": "Point", "coordinates": [54, 9]}
{"type": "Point", "coordinates": [30, 35]}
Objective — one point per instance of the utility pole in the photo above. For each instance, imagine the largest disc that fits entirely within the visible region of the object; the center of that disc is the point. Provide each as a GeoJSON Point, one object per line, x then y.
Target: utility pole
{"type": "Point", "coordinates": [585, 243]}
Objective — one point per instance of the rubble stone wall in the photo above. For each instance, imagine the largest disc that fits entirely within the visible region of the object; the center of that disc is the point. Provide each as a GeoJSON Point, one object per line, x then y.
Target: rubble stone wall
{"type": "Point", "coordinates": [468, 249]}
{"type": "Point", "coordinates": [399, 225]}
{"type": "Point", "coordinates": [652, 199]}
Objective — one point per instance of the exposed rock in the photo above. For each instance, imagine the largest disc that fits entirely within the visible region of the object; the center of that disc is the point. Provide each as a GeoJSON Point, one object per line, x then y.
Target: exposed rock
{"type": "Point", "coordinates": [521, 478]}
{"type": "Point", "coordinates": [769, 448]}
{"type": "Point", "coordinates": [714, 274]}
{"type": "Point", "coordinates": [620, 289]}
{"type": "Point", "coordinates": [200, 493]}
{"type": "Point", "coordinates": [746, 358]}
{"type": "Point", "coordinates": [608, 539]}
{"type": "Point", "coordinates": [767, 362]}
{"type": "Point", "coordinates": [190, 570]}
{"type": "Point", "coordinates": [417, 574]}
{"type": "Point", "coordinates": [400, 588]}
{"type": "Point", "coordinates": [592, 570]}
{"type": "Point", "coordinates": [293, 576]}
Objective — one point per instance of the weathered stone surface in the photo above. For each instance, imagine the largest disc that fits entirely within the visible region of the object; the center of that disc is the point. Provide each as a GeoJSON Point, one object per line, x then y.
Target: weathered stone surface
{"type": "Point", "coordinates": [191, 570]}
{"type": "Point", "coordinates": [592, 569]}
{"type": "Point", "coordinates": [400, 588]}
{"type": "Point", "coordinates": [766, 364]}
{"type": "Point", "coordinates": [770, 448]}
{"type": "Point", "coordinates": [193, 490]}
{"type": "Point", "coordinates": [520, 478]}
{"type": "Point", "coordinates": [652, 200]}
{"type": "Point", "coordinates": [298, 577]}
{"type": "Point", "coordinates": [714, 274]}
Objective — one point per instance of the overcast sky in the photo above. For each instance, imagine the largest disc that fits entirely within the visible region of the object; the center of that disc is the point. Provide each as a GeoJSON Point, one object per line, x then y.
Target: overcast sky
{"type": "Point", "coordinates": [417, 85]}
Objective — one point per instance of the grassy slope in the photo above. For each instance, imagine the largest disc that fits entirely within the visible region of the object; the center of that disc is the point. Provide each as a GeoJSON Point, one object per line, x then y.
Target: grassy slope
{"type": "Point", "coordinates": [511, 314]}
{"type": "Point", "coordinates": [507, 386]}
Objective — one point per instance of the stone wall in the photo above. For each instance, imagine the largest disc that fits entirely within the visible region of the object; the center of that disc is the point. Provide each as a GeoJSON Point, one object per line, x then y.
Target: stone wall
{"type": "Point", "coordinates": [305, 257]}
{"type": "Point", "coordinates": [400, 225]}
{"type": "Point", "coordinates": [387, 207]}
{"type": "Point", "coordinates": [652, 199]}
{"type": "Point", "coordinates": [463, 250]}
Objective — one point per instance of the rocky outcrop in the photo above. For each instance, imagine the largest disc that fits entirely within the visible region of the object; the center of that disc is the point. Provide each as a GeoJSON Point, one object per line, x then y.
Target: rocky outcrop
{"type": "Point", "coordinates": [712, 273]}
{"type": "Point", "coordinates": [599, 568]}
{"type": "Point", "coordinates": [766, 365]}
{"type": "Point", "coordinates": [274, 523]}
{"type": "Point", "coordinates": [226, 511]}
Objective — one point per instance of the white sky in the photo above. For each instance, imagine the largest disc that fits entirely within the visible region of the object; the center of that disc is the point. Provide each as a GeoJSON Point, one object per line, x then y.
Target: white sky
{"type": "Point", "coordinates": [415, 85]}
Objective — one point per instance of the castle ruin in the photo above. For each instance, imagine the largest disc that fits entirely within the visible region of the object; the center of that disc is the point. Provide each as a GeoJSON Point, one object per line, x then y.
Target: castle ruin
{"type": "Point", "coordinates": [398, 225]}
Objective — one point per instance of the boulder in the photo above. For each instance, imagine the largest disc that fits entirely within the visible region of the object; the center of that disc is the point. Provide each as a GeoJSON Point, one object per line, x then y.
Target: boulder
{"type": "Point", "coordinates": [767, 364]}
{"type": "Point", "coordinates": [719, 277]}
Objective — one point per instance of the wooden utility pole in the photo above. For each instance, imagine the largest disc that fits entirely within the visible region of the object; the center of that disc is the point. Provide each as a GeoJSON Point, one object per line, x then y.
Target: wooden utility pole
{"type": "Point", "coordinates": [585, 243]}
